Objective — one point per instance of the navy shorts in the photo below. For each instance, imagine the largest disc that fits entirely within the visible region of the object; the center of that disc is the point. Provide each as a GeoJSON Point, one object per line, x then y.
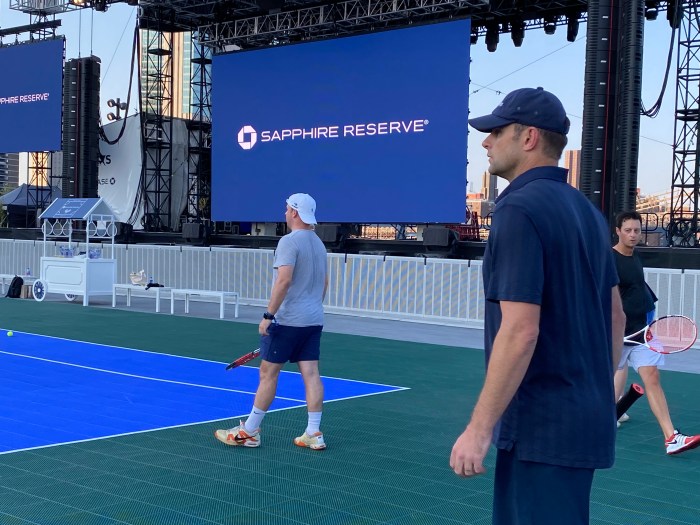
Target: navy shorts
{"type": "Point", "coordinates": [529, 493]}
{"type": "Point", "coordinates": [291, 343]}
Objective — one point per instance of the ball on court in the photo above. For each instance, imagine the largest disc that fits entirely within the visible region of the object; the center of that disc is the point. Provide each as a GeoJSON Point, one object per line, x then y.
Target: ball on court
{"type": "Point", "coordinates": [9, 334]}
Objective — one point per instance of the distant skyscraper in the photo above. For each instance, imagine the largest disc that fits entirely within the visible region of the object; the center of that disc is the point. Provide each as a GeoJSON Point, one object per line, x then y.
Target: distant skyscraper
{"type": "Point", "coordinates": [9, 170]}
{"type": "Point", "coordinates": [179, 65]}
{"type": "Point", "coordinates": [572, 162]}
{"type": "Point", "coordinates": [488, 186]}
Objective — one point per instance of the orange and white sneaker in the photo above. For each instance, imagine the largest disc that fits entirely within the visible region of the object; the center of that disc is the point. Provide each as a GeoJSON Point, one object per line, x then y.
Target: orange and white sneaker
{"type": "Point", "coordinates": [239, 436]}
{"type": "Point", "coordinates": [678, 443]}
{"type": "Point", "coordinates": [314, 442]}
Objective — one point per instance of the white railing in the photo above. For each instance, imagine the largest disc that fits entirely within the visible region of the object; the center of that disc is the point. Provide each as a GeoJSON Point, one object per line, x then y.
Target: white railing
{"type": "Point", "coordinates": [431, 290]}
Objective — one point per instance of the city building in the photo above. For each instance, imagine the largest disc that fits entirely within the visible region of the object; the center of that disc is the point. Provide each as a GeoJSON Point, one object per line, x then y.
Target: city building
{"type": "Point", "coordinates": [9, 171]}
{"type": "Point", "coordinates": [159, 64]}
{"type": "Point", "coordinates": [572, 162]}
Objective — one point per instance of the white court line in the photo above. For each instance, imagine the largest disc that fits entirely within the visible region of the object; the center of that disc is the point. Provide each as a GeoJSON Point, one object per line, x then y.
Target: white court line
{"type": "Point", "coordinates": [87, 440]}
{"type": "Point", "coordinates": [188, 357]}
{"type": "Point", "coordinates": [143, 377]}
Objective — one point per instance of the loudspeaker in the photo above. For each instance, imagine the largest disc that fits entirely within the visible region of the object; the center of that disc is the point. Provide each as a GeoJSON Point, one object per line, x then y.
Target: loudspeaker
{"type": "Point", "coordinates": [191, 231]}
{"type": "Point", "coordinates": [81, 126]}
{"type": "Point", "coordinates": [438, 237]}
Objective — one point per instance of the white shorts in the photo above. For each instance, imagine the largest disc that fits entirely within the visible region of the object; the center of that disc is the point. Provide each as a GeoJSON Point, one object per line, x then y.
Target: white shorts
{"type": "Point", "coordinates": [640, 355]}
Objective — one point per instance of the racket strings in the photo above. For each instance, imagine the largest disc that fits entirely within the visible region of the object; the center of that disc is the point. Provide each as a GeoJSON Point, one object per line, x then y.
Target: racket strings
{"type": "Point", "coordinates": [671, 334]}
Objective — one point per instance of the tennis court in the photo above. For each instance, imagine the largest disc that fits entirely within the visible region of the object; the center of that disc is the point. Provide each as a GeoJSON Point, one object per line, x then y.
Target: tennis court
{"type": "Point", "coordinates": [388, 446]}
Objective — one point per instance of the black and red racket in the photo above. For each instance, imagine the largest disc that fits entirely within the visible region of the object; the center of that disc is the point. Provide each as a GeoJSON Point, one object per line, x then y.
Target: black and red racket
{"type": "Point", "coordinates": [667, 335]}
{"type": "Point", "coordinates": [244, 359]}
{"type": "Point", "coordinates": [627, 400]}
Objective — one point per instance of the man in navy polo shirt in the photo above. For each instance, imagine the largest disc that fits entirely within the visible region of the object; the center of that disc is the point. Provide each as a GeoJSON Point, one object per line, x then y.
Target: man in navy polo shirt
{"type": "Point", "coordinates": [553, 326]}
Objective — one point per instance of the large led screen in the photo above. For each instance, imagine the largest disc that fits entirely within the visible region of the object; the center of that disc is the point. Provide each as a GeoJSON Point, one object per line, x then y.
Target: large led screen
{"type": "Point", "coordinates": [31, 96]}
{"type": "Point", "coordinates": [374, 127]}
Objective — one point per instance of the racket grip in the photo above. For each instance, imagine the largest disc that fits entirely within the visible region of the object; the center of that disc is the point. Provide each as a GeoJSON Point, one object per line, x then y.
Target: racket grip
{"type": "Point", "coordinates": [626, 401]}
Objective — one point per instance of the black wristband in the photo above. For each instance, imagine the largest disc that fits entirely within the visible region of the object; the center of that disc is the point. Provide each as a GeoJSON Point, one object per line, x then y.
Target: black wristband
{"type": "Point", "coordinates": [269, 316]}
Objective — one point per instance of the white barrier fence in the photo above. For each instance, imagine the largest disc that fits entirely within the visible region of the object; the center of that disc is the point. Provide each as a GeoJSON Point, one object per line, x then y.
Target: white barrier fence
{"type": "Point", "coordinates": [441, 291]}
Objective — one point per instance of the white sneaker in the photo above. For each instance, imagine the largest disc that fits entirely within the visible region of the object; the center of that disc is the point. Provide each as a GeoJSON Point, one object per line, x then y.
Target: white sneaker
{"type": "Point", "coordinates": [314, 442]}
{"type": "Point", "coordinates": [678, 443]}
{"type": "Point", "coordinates": [623, 418]}
{"type": "Point", "coordinates": [238, 436]}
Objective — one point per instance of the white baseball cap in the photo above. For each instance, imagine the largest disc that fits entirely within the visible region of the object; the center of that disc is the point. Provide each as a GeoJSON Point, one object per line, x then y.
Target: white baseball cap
{"type": "Point", "coordinates": [305, 205]}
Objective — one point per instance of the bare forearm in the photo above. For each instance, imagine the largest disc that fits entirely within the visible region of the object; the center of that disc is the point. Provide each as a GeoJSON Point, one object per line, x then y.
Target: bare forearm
{"type": "Point", "coordinates": [279, 292]}
{"type": "Point", "coordinates": [508, 364]}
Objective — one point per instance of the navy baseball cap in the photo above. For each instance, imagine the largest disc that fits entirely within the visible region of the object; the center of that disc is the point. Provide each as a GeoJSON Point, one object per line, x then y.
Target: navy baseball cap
{"type": "Point", "coordinates": [529, 107]}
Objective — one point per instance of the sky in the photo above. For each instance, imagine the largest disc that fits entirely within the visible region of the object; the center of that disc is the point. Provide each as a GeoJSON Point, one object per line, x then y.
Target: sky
{"type": "Point", "coordinates": [542, 60]}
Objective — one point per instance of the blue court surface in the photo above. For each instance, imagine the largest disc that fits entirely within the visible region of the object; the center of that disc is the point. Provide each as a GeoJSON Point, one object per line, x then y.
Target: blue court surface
{"type": "Point", "coordinates": [56, 391]}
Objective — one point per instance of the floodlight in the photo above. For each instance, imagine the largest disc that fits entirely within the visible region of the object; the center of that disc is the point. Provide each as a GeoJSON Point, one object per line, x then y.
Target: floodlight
{"type": "Point", "coordinates": [517, 32]}
{"type": "Point", "coordinates": [651, 9]}
{"type": "Point", "coordinates": [572, 28]}
{"type": "Point", "coordinates": [550, 24]}
{"type": "Point", "coordinates": [492, 36]}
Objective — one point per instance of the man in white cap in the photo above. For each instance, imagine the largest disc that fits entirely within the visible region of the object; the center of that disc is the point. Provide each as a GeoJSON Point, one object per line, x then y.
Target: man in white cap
{"type": "Point", "coordinates": [291, 327]}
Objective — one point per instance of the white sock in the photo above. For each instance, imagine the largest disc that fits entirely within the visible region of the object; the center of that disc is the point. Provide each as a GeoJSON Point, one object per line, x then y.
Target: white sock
{"type": "Point", "coordinates": [314, 424]}
{"type": "Point", "coordinates": [254, 419]}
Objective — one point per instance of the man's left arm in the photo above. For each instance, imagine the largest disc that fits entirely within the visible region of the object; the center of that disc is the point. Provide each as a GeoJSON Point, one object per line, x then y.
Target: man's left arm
{"type": "Point", "coordinates": [512, 352]}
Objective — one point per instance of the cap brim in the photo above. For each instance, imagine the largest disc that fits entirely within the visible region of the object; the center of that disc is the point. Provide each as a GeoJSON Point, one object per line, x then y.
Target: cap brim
{"type": "Point", "coordinates": [488, 123]}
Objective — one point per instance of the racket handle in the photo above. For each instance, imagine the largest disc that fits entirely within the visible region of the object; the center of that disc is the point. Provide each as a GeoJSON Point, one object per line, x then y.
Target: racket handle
{"type": "Point", "coordinates": [626, 401]}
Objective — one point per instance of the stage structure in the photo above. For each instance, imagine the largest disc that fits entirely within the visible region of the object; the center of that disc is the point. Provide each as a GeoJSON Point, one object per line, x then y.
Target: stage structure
{"type": "Point", "coordinates": [611, 137]}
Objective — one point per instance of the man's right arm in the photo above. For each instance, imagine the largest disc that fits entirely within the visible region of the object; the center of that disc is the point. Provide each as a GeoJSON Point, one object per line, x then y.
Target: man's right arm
{"type": "Point", "coordinates": [618, 327]}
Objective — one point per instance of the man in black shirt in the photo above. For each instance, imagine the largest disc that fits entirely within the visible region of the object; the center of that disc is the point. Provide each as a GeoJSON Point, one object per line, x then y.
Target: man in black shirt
{"type": "Point", "coordinates": [638, 303]}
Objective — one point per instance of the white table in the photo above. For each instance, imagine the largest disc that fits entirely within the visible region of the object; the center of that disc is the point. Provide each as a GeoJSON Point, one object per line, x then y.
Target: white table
{"type": "Point", "coordinates": [189, 294]}
{"type": "Point", "coordinates": [129, 288]}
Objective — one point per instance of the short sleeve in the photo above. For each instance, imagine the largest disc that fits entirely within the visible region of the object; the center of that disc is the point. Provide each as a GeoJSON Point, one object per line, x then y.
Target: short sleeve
{"type": "Point", "coordinates": [286, 253]}
{"type": "Point", "coordinates": [516, 258]}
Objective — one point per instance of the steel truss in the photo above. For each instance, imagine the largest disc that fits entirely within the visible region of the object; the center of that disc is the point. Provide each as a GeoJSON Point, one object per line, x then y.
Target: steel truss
{"type": "Point", "coordinates": [199, 135]}
{"type": "Point", "coordinates": [157, 129]}
{"type": "Point", "coordinates": [685, 187]}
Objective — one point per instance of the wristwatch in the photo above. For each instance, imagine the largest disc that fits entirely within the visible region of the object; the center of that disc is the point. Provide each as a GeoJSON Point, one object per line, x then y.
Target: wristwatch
{"type": "Point", "coordinates": [269, 316]}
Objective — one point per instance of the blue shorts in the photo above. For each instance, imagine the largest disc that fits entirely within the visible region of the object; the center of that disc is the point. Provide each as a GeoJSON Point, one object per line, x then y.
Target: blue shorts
{"type": "Point", "coordinates": [529, 493]}
{"type": "Point", "coordinates": [291, 343]}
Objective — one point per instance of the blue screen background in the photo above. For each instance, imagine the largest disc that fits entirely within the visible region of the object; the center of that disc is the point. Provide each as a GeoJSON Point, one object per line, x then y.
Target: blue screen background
{"type": "Point", "coordinates": [29, 69]}
{"type": "Point", "coordinates": [419, 73]}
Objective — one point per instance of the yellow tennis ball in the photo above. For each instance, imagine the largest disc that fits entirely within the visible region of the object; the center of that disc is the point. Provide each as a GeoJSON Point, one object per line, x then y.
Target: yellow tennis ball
{"type": "Point", "coordinates": [10, 334]}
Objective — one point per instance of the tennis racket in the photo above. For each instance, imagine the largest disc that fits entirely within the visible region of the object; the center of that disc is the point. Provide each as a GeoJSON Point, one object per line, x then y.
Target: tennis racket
{"type": "Point", "coordinates": [627, 400]}
{"type": "Point", "coordinates": [667, 335]}
{"type": "Point", "coordinates": [244, 359]}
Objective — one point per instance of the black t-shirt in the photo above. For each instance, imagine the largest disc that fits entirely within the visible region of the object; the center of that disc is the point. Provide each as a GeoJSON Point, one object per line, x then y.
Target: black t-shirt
{"type": "Point", "coordinates": [637, 298]}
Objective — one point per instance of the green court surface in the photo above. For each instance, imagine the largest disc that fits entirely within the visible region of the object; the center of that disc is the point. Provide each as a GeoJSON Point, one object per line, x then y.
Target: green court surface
{"type": "Point", "coordinates": [387, 457]}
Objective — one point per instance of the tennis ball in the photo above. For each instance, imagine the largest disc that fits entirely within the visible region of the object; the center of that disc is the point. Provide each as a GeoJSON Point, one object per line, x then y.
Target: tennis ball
{"type": "Point", "coordinates": [10, 334]}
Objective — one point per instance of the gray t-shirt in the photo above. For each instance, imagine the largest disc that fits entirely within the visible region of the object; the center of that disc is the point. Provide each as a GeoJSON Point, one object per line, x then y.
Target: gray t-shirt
{"type": "Point", "coordinates": [303, 305]}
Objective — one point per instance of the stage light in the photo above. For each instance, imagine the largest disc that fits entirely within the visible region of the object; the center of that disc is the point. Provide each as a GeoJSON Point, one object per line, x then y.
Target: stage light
{"type": "Point", "coordinates": [517, 32]}
{"type": "Point", "coordinates": [572, 27]}
{"type": "Point", "coordinates": [550, 25]}
{"type": "Point", "coordinates": [111, 117]}
{"type": "Point", "coordinates": [78, 3]}
{"type": "Point", "coordinates": [474, 37]}
{"type": "Point", "coordinates": [674, 13]}
{"type": "Point", "coordinates": [651, 9]}
{"type": "Point", "coordinates": [492, 36]}
{"type": "Point", "coordinates": [100, 5]}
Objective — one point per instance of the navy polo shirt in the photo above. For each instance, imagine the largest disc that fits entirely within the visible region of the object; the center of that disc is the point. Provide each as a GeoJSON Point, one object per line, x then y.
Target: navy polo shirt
{"type": "Point", "coordinates": [549, 246]}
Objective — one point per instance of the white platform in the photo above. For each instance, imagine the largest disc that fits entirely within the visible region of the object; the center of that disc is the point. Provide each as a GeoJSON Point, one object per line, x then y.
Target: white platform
{"type": "Point", "coordinates": [152, 292]}
{"type": "Point", "coordinates": [189, 294]}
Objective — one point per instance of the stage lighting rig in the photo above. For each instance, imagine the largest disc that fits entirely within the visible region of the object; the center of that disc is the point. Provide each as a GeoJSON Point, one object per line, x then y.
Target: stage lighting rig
{"type": "Point", "coordinates": [517, 32]}
{"type": "Point", "coordinates": [492, 35]}
{"type": "Point", "coordinates": [100, 5]}
{"type": "Point", "coordinates": [119, 105]}
{"type": "Point", "coordinates": [550, 24]}
{"type": "Point", "coordinates": [651, 9]}
{"type": "Point", "coordinates": [474, 37]}
{"type": "Point", "coordinates": [572, 27]}
{"type": "Point", "coordinates": [78, 3]}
